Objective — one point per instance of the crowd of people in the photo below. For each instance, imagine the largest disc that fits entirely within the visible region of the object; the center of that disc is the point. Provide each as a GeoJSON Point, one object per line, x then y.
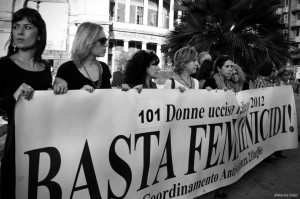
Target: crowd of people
{"type": "Point", "coordinates": [23, 71]}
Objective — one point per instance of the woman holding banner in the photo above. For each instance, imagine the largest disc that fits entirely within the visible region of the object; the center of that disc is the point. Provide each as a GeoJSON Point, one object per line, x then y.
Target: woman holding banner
{"type": "Point", "coordinates": [140, 71]}
{"type": "Point", "coordinates": [223, 69]}
{"type": "Point", "coordinates": [84, 71]}
{"type": "Point", "coordinates": [21, 72]}
{"type": "Point", "coordinates": [185, 65]}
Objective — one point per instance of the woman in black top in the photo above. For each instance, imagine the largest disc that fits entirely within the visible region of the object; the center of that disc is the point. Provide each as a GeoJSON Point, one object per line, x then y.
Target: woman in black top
{"type": "Point", "coordinates": [141, 69]}
{"type": "Point", "coordinates": [84, 71]}
{"type": "Point", "coordinates": [21, 72]}
{"type": "Point", "coordinates": [223, 69]}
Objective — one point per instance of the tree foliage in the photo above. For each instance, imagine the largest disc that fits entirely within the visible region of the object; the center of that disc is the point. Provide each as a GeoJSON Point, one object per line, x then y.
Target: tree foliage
{"type": "Point", "coordinates": [247, 30]}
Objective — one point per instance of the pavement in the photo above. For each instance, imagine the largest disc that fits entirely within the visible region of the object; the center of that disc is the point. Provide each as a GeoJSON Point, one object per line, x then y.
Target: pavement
{"type": "Point", "coordinates": [280, 179]}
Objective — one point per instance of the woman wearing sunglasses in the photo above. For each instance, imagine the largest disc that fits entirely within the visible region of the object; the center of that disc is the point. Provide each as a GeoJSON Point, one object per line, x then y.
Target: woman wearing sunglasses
{"type": "Point", "coordinates": [84, 71]}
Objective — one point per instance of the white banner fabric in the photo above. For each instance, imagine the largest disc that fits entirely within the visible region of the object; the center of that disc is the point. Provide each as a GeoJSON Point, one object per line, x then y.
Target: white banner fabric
{"type": "Point", "coordinates": [158, 144]}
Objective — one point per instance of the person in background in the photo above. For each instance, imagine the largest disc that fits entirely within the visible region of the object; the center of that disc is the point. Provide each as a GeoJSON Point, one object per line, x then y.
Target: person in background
{"type": "Point", "coordinates": [265, 73]}
{"type": "Point", "coordinates": [201, 58]}
{"type": "Point", "coordinates": [140, 71]}
{"type": "Point", "coordinates": [84, 71]}
{"type": "Point", "coordinates": [238, 79]}
{"type": "Point", "coordinates": [222, 69]}
{"type": "Point", "coordinates": [185, 64]}
{"type": "Point", "coordinates": [22, 72]}
{"type": "Point", "coordinates": [205, 72]}
{"type": "Point", "coordinates": [283, 77]}
{"type": "Point", "coordinates": [118, 77]}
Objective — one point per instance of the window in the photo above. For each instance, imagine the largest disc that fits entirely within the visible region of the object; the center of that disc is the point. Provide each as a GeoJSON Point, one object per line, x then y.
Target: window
{"type": "Point", "coordinates": [298, 16]}
{"type": "Point", "coordinates": [139, 15]}
{"type": "Point", "coordinates": [297, 32]}
{"type": "Point", "coordinates": [298, 2]}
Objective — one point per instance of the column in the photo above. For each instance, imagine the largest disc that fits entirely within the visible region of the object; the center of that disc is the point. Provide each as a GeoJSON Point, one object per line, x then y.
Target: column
{"type": "Point", "coordinates": [171, 15]}
{"type": "Point", "coordinates": [113, 52]}
{"type": "Point", "coordinates": [126, 45]}
{"type": "Point", "coordinates": [160, 14]}
{"type": "Point", "coordinates": [127, 11]}
{"type": "Point", "coordinates": [145, 13]}
{"type": "Point", "coordinates": [158, 53]}
{"type": "Point", "coordinates": [144, 46]}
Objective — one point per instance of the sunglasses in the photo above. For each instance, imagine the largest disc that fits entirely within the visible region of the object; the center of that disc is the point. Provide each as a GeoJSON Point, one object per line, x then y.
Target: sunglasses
{"type": "Point", "coordinates": [102, 40]}
{"type": "Point", "coordinates": [233, 74]}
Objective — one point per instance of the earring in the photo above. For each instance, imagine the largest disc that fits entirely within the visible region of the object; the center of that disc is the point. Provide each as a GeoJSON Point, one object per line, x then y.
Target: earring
{"type": "Point", "coordinates": [14, 47]}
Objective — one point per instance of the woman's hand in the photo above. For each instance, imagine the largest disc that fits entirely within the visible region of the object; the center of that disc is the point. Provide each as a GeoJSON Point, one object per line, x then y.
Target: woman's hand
{"type": "Point", "coordinates": [60, 86]}
{"type": "Point", "coordinates": [181, 88]}
{"type": "Point", "coordinates": [25, 91]}
{"type": "Point", "coordinates": [88, 88]}
{"type": "Point", "coordinates": [139, 88]}
{"type": "Point", "coordinates": [125, 87]}
{"type": "Point", "coordinates": [208, 88]}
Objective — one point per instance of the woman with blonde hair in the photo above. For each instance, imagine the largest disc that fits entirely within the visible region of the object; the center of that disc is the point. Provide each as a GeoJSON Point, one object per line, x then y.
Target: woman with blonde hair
{"type": "Point", "coordinates": [84, 71]}
{"type": "Point", "coordinates": [185, 64]}
{"type": "Point", "coordinates": [238, 79]}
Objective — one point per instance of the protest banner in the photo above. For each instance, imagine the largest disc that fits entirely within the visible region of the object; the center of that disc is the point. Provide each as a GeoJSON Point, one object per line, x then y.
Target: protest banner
{"type": "Point", "coordinates": [159, 144]}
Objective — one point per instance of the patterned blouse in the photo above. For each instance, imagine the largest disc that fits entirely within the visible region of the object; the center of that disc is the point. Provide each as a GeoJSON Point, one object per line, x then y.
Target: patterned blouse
{"type": "Point", "coordinates": [262, 82]}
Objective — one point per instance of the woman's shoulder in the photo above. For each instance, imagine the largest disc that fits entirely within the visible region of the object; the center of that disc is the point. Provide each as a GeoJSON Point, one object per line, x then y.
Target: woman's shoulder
{"type": "Point", "coordinates": [68, 65]}
{"type": "Point", "coordinates": [104, 65]}
{"type": "Point", "coordinates": [4, 60]}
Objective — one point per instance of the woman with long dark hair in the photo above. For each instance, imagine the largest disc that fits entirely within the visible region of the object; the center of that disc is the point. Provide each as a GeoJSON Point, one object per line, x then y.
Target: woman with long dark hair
{"type": "Point", "coordinates": [141, 70]}
{"type": "Point", "coordinates": [222, 68]}
{"type": "Point", "coordinates": [21, 72]}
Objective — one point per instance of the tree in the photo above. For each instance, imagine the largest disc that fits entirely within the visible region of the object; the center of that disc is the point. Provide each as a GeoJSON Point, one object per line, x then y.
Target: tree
{"type": "Point", "coordinates": [249, 31]}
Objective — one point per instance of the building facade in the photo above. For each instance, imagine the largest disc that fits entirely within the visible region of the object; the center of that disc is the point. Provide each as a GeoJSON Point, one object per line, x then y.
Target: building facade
{"type": "Point", "coordinates": [130, 24]}
{"type": "Point", "coordinates": [291, 18]}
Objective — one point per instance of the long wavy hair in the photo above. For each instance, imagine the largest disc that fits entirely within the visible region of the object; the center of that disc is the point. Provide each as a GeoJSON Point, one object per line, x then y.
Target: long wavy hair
{"type": "Point", "coordinates": [136, 68]}
{"type": "Point", "coordinates": [86, 36]}
{"type": "Point", "coordinates": [240, 72]}
{"type": "Point", "coordinates": [36, 19]}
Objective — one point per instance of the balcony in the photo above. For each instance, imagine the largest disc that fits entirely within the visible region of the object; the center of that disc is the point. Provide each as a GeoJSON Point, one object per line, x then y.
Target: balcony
{"type": "Point", "coordinates": [285, 10]}
{"type": "Point", "coordinates": [295, 23]}
{"type": "Point", "coordinates": [295, 9]}
{"type": "Point", "coordinates": [142, 29]}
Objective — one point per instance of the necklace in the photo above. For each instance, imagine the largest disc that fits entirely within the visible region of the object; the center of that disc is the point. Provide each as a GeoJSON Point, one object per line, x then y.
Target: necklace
{"type": "Point", "coordinates": [186, 82]}
{"type": "Point", "coordinates": [96, 86]}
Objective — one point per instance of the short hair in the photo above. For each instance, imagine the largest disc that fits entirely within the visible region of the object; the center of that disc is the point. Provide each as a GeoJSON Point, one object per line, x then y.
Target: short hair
{"type": "Point", "coordinates": [136, 67]}
{"type": "Point", "coordinates": [240, 72]}
{"type": "Point", "coordinates": [265, 68]}
{"type": "Point", "coordinates": [87, 34]}
{"type": "Point", "coordinates": [34, 17]}
{"type": "Point", "coordinates": [219, 62]}
{"type": "Point", "coordinates": [205, 69]}
{"type": "Point", "coordinates": [281, 71]}
{"type": "Point", "coordinates": [201, 57]}
{"type": "Point", "coordinates": [182, 56]}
